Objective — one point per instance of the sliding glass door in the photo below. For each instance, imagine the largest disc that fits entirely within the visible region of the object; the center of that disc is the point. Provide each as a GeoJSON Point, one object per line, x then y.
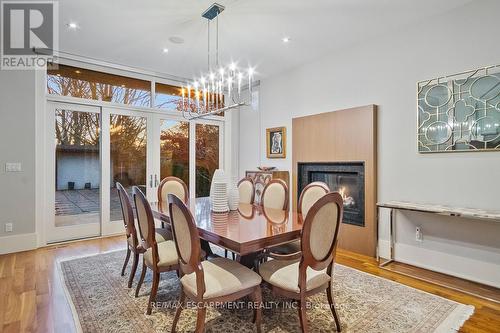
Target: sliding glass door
{"type": "Point", "coordinates": [207, 156]}
{"type": "Point", "coordinates": [92, 148]}
{"type": "Point", "coordinates": [74, 156]}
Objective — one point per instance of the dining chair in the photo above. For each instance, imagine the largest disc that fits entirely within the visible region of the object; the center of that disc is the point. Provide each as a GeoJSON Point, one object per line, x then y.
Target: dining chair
{"type": "Point", "coordinates": [246, 189]}
{"type": "Point", "coordinates": [173, 185]}
{"type": "Point", "coordinates": [308, 197]}
{"type": "Point", "coordinates": [211, 281]}
{"type": "Point", "coordinates": [159, 257]}
{"type": "Point", "coordinates": [133, 245]}
{"type": "Point", "coordinates": [309, 271]}
{"type": "Point", "coordinates": [275, 195]}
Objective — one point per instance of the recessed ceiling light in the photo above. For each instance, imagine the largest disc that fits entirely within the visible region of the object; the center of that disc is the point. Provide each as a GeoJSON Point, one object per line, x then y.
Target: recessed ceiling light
{"type": "Point", "coordinates": [176, 39]}
{"type": "Point", "coordinates": [285, 39]}
{"type": "Point", "coordinates": [165, 50]}
{"type": "Point", "coordinates": [72, 25]}
{"type": "Point", "coordinates": [77, 72]}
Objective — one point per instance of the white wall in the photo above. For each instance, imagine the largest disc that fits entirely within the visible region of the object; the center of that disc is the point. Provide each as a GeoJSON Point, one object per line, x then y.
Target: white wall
{"type": "Point", "coordinates": [17, 144]}
{"type": "Point", "coordinates": [384, 71]}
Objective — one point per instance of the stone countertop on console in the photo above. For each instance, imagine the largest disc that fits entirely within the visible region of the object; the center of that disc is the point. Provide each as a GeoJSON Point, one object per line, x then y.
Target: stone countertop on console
{"type": "Point", "coordinates": [472, 213]}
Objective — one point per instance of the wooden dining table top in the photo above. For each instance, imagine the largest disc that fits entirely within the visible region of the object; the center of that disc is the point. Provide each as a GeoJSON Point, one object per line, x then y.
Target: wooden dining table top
{"type": "Point", "coordinates": [247, 230]}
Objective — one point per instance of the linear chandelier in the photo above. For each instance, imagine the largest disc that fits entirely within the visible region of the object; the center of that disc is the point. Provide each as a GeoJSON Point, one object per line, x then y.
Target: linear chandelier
{"type": "Point", "coordinates": [216, 91]}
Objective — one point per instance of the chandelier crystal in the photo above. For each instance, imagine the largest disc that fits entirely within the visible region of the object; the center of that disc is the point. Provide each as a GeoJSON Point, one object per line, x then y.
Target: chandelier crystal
{"type": "Point", "coordinates": [216, 91]}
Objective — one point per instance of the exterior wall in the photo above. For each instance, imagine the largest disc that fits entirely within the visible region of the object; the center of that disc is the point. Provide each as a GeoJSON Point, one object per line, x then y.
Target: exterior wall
{"type": "Point", "coordinates": [77, 168]}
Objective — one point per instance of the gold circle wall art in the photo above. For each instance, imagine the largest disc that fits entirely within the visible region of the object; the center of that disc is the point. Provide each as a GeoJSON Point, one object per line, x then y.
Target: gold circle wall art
{"type": "Point", "coordinates": [460, 112]}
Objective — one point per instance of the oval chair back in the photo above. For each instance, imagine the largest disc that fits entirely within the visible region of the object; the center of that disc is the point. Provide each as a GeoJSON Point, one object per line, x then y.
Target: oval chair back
{"type": "Point", "coordinates": [275, 195]}
{"type": "Point", "coordinates": [310, 194]}
{"type": "Point", "coordinates": [246, 189]}
{"type": "Point", "coordinates": [319, 234]}
{"type": "Point", "coordinates": [128, 216]}
{"type": "Point", "coordinates": [172, 185]}
{"type": "Point", "coordinates": [187, 241]}
{"type": "Point", "coordinates": [146, 222]}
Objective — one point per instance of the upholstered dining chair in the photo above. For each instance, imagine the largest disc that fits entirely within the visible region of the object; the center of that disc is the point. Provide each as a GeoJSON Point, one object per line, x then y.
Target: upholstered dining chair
{"type": "Point", "coordinates": [133, 245]}
{"type": "Point", "coordinates": [159, 257]}
{"type": "Point", "coordinates": [275, 195]}
{"type": "Point", "coordinates": [175, 186]}
{"type": "Point", "coordinates": [209, 281]}
{"type": "Point", "coordinates": [308, 197]}
{"type": "Point", "coordinates": [246, 189]}
{"type": "Point", "coordinates": [308, 272]}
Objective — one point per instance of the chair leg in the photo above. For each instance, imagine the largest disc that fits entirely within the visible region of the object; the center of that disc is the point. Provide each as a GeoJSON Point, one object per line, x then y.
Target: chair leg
{"type": "Point", "coordinates": [200, 319]}
{"type": "Point", "coordinates": [233, 255]}
{"type": "Point", "coordinates": [257, 315]}
{"type": "Point", "coordinates": [141, 279]}
{"type": "Point", "coordinates": [154, 290]}
{"type": "Point", "coordinates": [126, 261]}
{"type": "Point", "coordinates": [332, 307]}
{"type": "Point", "coordinates": [133, 270]}
{"type": "Point", "coordinates": [225, 253]}
{"type": "Point", "coordinates": [303, 315]}
{"type": "Point", "coordinates": [182, 304]}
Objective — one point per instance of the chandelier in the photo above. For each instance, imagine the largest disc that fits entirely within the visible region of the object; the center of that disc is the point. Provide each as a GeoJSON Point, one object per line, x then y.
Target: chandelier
{"type": "Point", "coordinates": [216, 91]}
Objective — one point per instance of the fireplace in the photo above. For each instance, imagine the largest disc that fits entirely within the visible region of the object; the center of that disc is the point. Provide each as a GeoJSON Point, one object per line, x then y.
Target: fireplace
{"type": "Point", "coordinates": [347, 178]}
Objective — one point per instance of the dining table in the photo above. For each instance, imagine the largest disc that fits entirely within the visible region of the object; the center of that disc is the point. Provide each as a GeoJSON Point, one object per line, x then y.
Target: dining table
{"type": "Point", "coordinates": [246, 231]}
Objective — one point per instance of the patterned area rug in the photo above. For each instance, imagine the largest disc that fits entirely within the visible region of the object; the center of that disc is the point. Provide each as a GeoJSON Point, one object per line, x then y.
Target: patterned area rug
{"type": "Point", "coordinates": [365, 303]}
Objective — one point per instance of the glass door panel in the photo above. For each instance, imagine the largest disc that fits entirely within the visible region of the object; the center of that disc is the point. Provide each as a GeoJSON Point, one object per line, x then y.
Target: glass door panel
{"type": "Point", "coordinates": [76, 172]}
{"type": "Point", "coordinates": [174, 149]}
{"type": "Point", "coordinates": [128, 157]}
{"type": "Point", "coordinates": [207, 156]}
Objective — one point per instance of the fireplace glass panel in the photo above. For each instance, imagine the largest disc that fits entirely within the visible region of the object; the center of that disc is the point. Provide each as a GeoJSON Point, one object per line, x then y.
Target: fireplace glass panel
{"type": "Point", "coordinates": [347, 178]}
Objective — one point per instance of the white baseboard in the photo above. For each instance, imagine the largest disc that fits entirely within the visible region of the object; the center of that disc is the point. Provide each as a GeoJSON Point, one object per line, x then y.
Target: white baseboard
{"type": "Point", "coordinates": [18, 243]}
{"type": "Point", "coordinates": [466, 268]}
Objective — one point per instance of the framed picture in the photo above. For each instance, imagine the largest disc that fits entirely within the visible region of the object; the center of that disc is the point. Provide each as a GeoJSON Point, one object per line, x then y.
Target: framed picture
{"type": "Point", "coordinates": [276, 142]}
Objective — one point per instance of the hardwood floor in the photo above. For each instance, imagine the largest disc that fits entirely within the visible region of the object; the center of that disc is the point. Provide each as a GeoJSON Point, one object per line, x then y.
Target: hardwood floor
{"type": "Point", "coordinates": [32, 297]}
{"type": "Point", "coordinates": [469, 287]}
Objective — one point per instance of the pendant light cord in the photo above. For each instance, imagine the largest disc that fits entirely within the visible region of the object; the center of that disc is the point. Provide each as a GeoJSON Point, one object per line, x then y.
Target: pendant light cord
{"type": "Point", "coordinates": [217, 43]}
{"type": "Point", "coordinates": [208, 60]}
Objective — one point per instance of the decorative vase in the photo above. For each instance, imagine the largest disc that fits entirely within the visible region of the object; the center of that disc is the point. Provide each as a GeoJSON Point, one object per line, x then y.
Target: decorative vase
{"type": "Point", "coordinates": [218, 192]}
{"type": "Point", "coordinates": [233, 196]}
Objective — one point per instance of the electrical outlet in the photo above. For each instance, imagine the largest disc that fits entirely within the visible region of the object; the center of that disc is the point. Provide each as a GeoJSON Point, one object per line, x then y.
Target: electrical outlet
{"type": "Point", "coordinates": [8, 227]}
{"type": "Point", "coordinates": [419, 236]}
{"type": "Point", "coordinates": [13, 167]}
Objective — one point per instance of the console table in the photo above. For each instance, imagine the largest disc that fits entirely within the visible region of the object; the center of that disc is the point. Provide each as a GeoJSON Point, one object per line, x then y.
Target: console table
{"type": "Point", "coordinates": [468, 287]}
{"type": "Point", "coordinates": [470, 213]}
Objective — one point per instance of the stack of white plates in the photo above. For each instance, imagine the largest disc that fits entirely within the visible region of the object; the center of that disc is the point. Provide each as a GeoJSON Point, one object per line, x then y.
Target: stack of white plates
{"type": "Point", "coordinates": [219, 197]}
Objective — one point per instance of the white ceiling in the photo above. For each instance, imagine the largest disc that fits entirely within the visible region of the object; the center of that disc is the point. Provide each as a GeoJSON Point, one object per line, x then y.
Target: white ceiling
{"type": "Point", "coordinates": [134, 32]}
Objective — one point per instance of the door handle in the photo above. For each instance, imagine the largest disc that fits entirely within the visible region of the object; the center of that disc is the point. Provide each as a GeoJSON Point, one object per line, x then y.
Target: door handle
{"type": "Point", "coordinates": [156, 180]}
{"type": "Point", "coordinates": [151, 181]}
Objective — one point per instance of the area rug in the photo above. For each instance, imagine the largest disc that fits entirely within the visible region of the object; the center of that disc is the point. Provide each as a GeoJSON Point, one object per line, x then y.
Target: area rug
{"type": "Point", "coordinates": [102, 303]}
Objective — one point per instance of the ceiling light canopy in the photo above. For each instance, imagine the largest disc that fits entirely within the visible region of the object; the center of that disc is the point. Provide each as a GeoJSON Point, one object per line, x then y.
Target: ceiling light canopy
{"type": "Point", "coordinates": [285, 39]}
{"type": "Point", "coordinates": [204, 96]}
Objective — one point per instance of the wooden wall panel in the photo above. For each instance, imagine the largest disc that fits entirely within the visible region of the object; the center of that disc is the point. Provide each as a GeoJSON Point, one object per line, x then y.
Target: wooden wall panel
{"type": "Point", "coordinates": [340, 136]}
